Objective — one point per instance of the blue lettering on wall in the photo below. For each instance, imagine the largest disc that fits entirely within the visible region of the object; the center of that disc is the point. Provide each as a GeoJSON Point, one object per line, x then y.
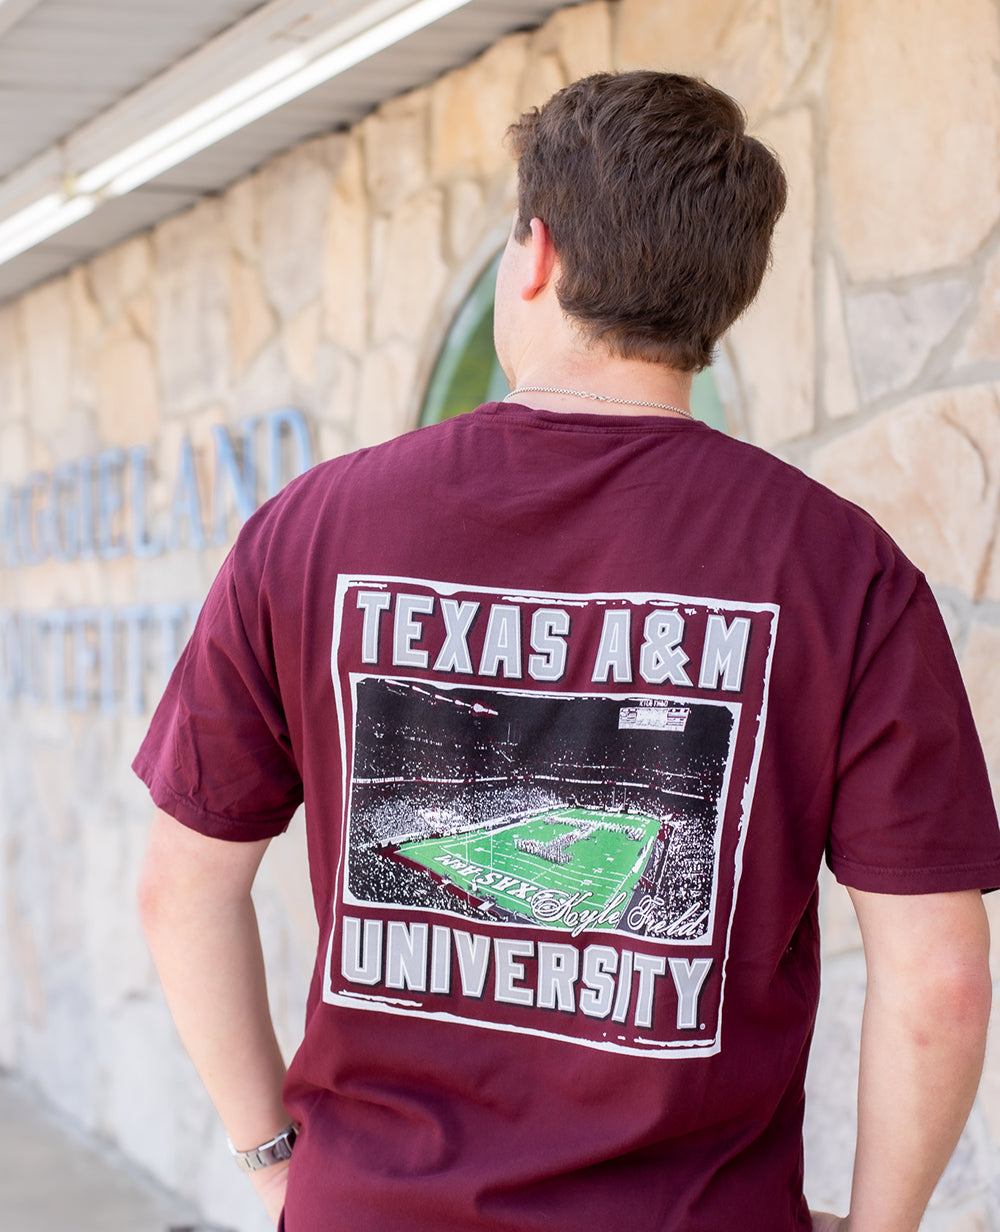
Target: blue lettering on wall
{"type": "Point", "coordinates": [116, 660]}
{"type": "Point", "coordinates": [186, 527]}
{"type": "Point", "coordinates": [235, 477]}
{"type": "Point", "coordinates": [102, 506]}
{"type": "Point", "coordinates": [145, 541]}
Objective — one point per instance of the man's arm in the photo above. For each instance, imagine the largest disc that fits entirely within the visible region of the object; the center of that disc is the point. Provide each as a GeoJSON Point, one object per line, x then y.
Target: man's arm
{"type": "Point", "coordinates": [200, 923]}
{"type": "Point", "coordinates": [922, 1042]}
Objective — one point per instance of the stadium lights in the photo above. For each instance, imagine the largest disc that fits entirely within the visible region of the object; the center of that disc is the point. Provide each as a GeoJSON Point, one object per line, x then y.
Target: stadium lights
{"type": "Point", "coordinates": [287, 77]}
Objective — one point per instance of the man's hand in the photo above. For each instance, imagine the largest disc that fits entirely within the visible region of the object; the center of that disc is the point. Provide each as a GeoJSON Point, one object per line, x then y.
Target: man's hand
{"type": "Point", "coordinates": [823, 1221]}
{"type": "Point", "coordinates": [270, 1184]}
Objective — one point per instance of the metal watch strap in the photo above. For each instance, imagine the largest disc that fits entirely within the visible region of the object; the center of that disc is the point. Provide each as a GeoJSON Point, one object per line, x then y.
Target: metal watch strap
{"type": "Point", "coordinates": [273, 1152]}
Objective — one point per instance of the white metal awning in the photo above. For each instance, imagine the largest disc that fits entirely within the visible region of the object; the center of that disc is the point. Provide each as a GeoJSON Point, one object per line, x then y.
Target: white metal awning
{"type": "Point", "coordinates": [117, 113]}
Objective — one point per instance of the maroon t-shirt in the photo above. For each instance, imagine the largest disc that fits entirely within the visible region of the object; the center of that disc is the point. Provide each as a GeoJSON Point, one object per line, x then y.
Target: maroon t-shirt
{"type": "Point", "coordinates": [576, 704]}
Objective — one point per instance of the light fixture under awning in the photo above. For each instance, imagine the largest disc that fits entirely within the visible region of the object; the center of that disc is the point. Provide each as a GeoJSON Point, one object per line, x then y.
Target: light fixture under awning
{"type": "Point", "coordinates": [80, 188]}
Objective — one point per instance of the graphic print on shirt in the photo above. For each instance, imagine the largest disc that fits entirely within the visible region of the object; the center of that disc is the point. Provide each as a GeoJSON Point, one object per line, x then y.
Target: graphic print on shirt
{"type": "Point", "coordinates": [546, 797]}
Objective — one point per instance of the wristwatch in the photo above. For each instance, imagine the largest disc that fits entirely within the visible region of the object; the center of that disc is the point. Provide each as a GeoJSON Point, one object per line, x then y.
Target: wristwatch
{"type": "Point", "coordinates": [273, 1152]}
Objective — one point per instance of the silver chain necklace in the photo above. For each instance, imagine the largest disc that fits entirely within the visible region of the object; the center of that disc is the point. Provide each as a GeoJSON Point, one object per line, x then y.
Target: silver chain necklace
{"type": "Point", "coordinates": [579, 393]}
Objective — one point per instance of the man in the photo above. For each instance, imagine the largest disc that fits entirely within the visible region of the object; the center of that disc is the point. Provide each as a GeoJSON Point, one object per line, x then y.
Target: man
{"type": "Point", "coordinates": [467, 651]}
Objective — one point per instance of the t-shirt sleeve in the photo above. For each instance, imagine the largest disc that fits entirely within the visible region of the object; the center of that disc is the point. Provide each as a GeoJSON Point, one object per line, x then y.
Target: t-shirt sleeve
{"type": "Point", "coordinates": [913, 810]}
{"type": "Point", "coordinates": [218, 756]}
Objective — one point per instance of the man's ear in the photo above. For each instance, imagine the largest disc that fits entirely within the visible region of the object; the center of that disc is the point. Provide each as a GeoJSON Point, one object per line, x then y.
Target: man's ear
{"type": "Point", "coordinates": [542, 260]}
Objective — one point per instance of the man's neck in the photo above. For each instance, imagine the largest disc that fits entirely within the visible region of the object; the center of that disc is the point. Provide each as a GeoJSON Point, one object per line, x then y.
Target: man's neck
{"type": "Point", "coordinates": [602, 384]}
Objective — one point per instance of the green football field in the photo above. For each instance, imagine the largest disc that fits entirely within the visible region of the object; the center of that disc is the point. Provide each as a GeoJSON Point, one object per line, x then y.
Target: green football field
{"type": "Point", "coordinates": [590, 853]}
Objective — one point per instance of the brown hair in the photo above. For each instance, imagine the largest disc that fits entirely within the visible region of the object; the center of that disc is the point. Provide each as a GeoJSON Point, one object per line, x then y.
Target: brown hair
{"type": "Point", "coordinates": [660, 206]}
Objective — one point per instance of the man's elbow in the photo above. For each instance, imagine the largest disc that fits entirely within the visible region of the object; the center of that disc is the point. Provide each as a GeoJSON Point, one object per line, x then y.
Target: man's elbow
{"type": "Point", "coordinates": [155, 895]}
{"type": "Point", "coordinates": [928, 962]}
{"type": "Point", "coordinates": [946, 999]}
{"type": "Point", "coordinates": [963, 973]}
{"type": "Point", "coordinates": [189, 880]}
{"type": "Point", "coordinates": [963, 996]}
{"type": "Point", "coordinates": [168, 877]}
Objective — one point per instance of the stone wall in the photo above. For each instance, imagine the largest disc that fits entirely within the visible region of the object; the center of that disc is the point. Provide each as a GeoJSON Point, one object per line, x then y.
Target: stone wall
{"type": "Point", "coordinates": [326, 282]}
